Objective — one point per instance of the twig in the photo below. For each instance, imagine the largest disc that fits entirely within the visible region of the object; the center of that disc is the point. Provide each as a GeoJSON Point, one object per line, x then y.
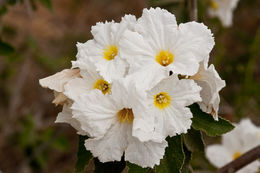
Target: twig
{"type": "Point", "coordinates": [241, 161]}
{"type": "Point", "coordinates": [193, 10]}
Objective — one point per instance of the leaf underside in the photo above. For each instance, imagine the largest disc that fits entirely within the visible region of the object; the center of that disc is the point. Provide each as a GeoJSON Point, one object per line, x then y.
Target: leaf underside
{"type": "Point", "coordinates": [205, 122]}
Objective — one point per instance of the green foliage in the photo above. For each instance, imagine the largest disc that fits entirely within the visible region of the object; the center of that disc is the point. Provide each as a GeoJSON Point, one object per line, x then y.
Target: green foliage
{"type": "Point", "coordinates": [174, 156]}
{"type": "Point", "coordinates": [193, 140]}
{"type": "Point", "coordinates": [206, 123]}
{"type": "Point", "coordinates": [5, 48]}
{"type": "Point", "coordinates": [132, 168]}
{"type": "Point", "coordinates": [84, 156]}
{"type": "Point", "coordinates": [186, 164]}
{"type": "Point", "coordinates": [37, 145]}
{"type": "Point", "coordinates": [115, 167]}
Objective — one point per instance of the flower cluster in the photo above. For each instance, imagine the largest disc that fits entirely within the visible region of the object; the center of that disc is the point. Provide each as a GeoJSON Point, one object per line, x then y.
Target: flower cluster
{"type": "Point", "coordinates": [243, 138]}
{"type": "Point", "coordinates": [131, 84]}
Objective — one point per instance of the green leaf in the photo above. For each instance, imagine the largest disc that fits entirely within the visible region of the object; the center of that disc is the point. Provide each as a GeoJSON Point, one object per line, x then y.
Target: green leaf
{"type": "Point", "coordinates": [206, 123]}
{"type": "Point", "coordinates": [173, 158]}
{"type": "Point", "coordinates": [133, 168]}
{"type": "Point", "coordinates": [5, 48]}
{"type": "Point", "coordinates": [193, 140]}
{"type": "Point", "coordinates": [185, 167]}
{"type": "Point", "coordinates": [84, 155]}
{"type": "Point", "coordinates": [47, 3]}
{"type": "Point", "coordinates": [115, 167]}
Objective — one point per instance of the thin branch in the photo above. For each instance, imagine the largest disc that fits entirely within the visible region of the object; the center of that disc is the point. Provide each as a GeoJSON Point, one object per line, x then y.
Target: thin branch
{"type": "Point", "coordinates": [193, 10]}
{"type": "Point", "coordinates": [241, 161]}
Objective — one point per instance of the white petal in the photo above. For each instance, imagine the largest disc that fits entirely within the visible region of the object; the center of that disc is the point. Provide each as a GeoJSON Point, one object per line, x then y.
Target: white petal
{"type": "Point", "coordinates": [66, 117]}
{"type": "Point", "coordinates": [193, 43]}
{"type": "Point", "coordinates": [111, 70]}
{"type": "Point", "coordinates": [59, 98]}
{"type": "Point", "coordinates": [57, 81]}
{"type": "Point", "coordinates": [149, 76]}
{"type": "Point", "coordinates": [176, 118]}
{"type": "Point", "coordinates": [88, 52]}
{"type": "Point", "coordinates": [127, 22]}
{"type": "Point", "coordinates": [112, 145]}
{"type": "Point", "coordinates": [102, 33]}
{"type": "Point", "coordinates": [137, 52]}
{"type": "Point", "coordinates": [76, 87]}
{"type": "Point", "coordinates": [244, 137]}
{"type": "Point", "coordinates": [144, 154]}
{"type": "Point", "coordinates": [95, 111]}
{"type": "Point", "coordinates": [211, 84]}
{"type": "Point", "coordinates": [172, 121]}
{"type": "Point", "coordinates": [218, 155]}
{"type": "Point", "coordinates": [252, 167]}
{"type": "Point", "coordinates": [224, 11]}
{"type": "Point", "coordinates": [126, 95]}
{"type": "Point", "coordinates": [156, 25]}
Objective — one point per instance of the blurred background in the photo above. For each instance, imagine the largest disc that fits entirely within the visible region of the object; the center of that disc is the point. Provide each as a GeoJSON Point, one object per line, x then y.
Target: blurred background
{"type": "Point", "coordinates": [38, 38]}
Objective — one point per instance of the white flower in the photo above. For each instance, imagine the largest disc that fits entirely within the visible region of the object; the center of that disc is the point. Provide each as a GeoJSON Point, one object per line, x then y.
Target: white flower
{"type": "Point", "coordinates": [66, 117]}
{"type": "Point", "coordinates": [103, 51]}
{"type": "Point", "coordinates": [243, 138]}
{"type": "Point", "coordinates": [210, 82]}
{"type": "Point", "coordinates": [89, 81]}
{"type": "Point", "coordinates": [223, 9]}
{"type": "Point", "coordinates": [56, 83]}
{"type": "Point", "coordinates": [158, 43]}
{"type": "Point", "coordinates": [167, 105]}
{"type": "Point", "coordinates": [109, 120]}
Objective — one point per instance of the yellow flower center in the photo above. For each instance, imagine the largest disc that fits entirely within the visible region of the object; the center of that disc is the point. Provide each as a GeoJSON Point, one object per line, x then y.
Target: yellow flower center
{"type": "Point", "coordinates": [162, 100]}
{"type": "Point", "coordinates": [102, 85]}
{"type": "Point", "coordinates": [236, 155]}
{"type": "Point", "coordinates": [125, 116]}
{"type": "Point", "coordinates": [110, 52]}
{"type": "Point", "coordinates": [213, 4]}
{"type": "Point", "coordinates": [164, 57]}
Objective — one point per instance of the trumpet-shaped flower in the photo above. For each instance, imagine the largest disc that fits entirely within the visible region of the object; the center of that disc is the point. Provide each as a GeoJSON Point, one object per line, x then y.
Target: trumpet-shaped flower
{"type": "Point", "coordinates": [243, 138]}
{"type": "Point", "coordinates": [109, 119]}
{"type": "Point", "coordinates": [210, 82]}
{"type": "Point", "coordinates": [56, 83]}
{"type": "Point", "coordinates": [89, 81]}
{"type": "Point", "coordinates": [103, 51]}
{"type": "Point", "coordinates": [160, 43]}
{"type": "Point", "coordinates": [223, 9]}
{"type": "Point", "coordinates": [167, 105]}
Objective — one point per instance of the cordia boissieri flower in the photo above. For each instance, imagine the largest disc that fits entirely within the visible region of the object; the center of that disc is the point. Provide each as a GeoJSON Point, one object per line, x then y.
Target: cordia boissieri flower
{"type": "Point", "coordinates": [244, 137]}
{"type": "Point", "coordinates": [159, 44]}
{"type": "Point", "coordinates": [223, 9]}
{"type": "Point", "coordinates": [103, 51]}
{"type": "Point", "coordinates": [109, 120]}
{"type": "Point", "coordinates": [56, 83]}
{"type": "Point", "coordinates": [210, 82]}
{"type": "Point", "coordinates": [167, 106]}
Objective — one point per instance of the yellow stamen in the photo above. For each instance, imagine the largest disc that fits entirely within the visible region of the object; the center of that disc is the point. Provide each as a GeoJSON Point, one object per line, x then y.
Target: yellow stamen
{"type": "Point", "coordinates": [164, 57]}
{"type": "Point", "coordinates": [236, 155]}
{"type": "Point", "coordinates": [110, 52]}
{"type": "Point", "coordinates": [125, 116]}
{"type": "Point", "coordinates": [213, 4]}
{"type": "Point", "coordinates": [102, 85]}
{"type": "Point", "coordinates": [162, 100]}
